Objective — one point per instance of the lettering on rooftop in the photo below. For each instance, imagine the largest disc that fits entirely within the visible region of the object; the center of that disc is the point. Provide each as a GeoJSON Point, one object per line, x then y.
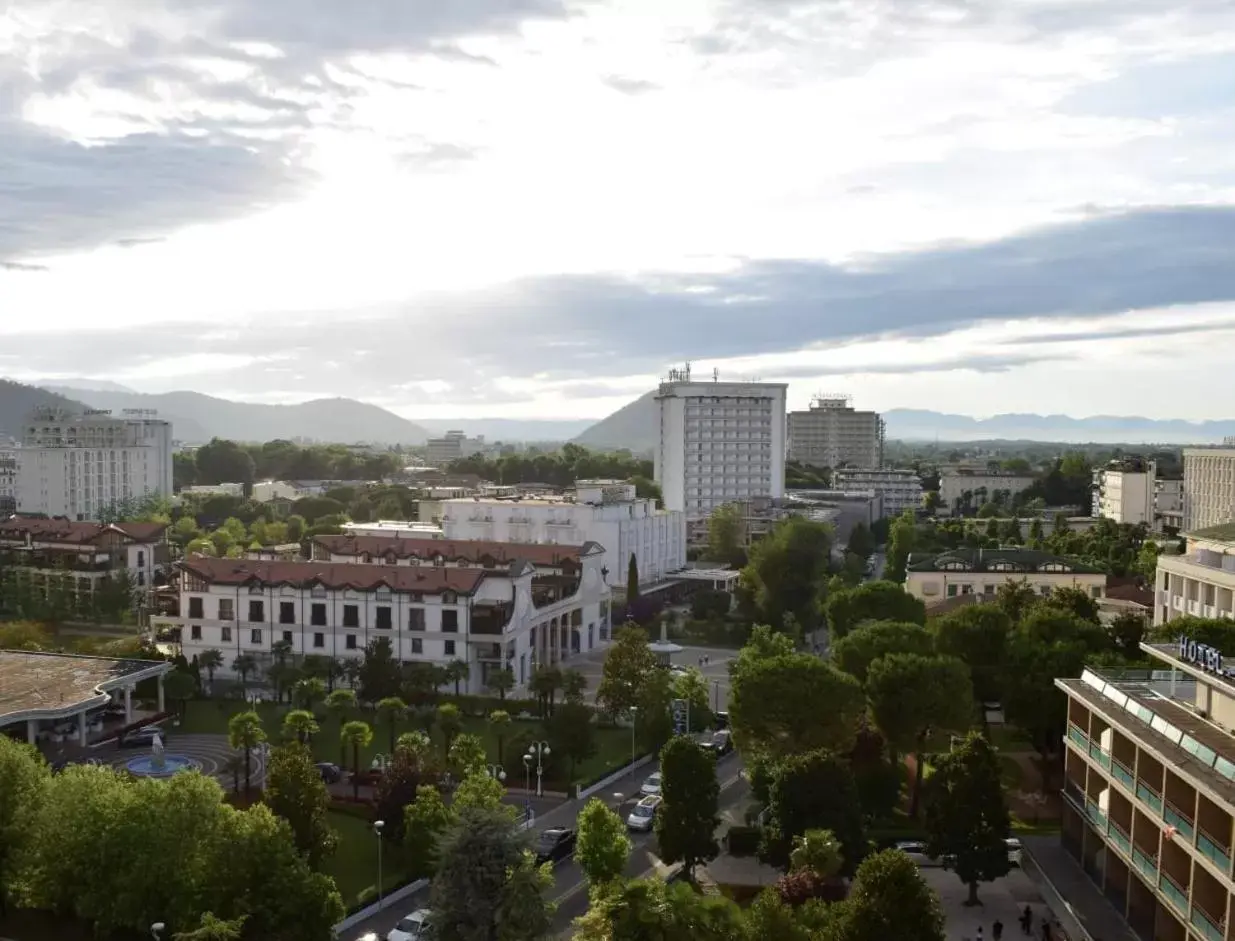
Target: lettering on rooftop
{"type": "Point", "coordinates": [1203, 655]}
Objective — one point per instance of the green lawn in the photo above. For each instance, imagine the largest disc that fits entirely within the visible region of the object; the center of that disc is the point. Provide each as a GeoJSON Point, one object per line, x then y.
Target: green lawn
{"type": "Point", "coordinates": [354, 863]}
{"type": "Point", "coordinates": [1010, 773]}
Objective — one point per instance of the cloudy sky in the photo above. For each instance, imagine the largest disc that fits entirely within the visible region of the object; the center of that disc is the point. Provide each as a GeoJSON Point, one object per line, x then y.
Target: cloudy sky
{"type": "Point", "coordinates": [530, 208]}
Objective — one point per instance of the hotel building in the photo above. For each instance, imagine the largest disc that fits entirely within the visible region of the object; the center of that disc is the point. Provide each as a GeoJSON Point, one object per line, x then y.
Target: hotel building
{"type": "Point", "coordinates": [1209, 486]}
{"type": "Point", "coordinates": [831, 433]}
{"type": "Point", "coordinates": [1201, 582]}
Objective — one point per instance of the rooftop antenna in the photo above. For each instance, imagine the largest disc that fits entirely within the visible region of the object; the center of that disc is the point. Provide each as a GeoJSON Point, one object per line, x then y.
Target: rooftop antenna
{"type": "Point", "coordinates": [715, 374]}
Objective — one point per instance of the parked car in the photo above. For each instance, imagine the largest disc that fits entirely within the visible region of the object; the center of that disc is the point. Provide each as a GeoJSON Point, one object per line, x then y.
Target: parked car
{"type": "Point", "coordinates": [652, 785]}
{"type": "Point", "coordinates": [1014, 850]}
{"type": "Point", "coordinates": [720, 743]}
{"type": "Point", "coordinates": [331, 773]}
{"type": "Point", "coordinates": [143, 737]}
{"type": "Point", "coordinates": [916, 851]}
{"type": "Point", "coordinates": [644, 815]}
{"type": "Point", "coordinates": [554, 845]}
{"type": "Point", "coordinates": [416, 926]}
{"type": "Point", "coordinates": [721, 720]}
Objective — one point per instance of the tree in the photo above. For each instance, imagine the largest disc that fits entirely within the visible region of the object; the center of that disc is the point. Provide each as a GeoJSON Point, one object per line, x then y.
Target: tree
{"type": "Point", "coordinates": [788, 572]}
{"type": "Point", "coordinates": [499, 725]}
{"type": "Point", "coordinates": [339, 704]}
{"type": "Point", "coordinates": [872, 601]}
{"type": "Point", "coordinates": [467, 756]}
{"type": "Point", "coordinates": [25, 781]}
{"type": "Point", "coordinates": [813, 791]}
{"type": "Point", "coordinates": [1076, 600]}
{"type": "Point", "coordinates": [571, 734]}
{"type": "Point", "coordinates": [877, 778]}
{"type": "Point", "coordinates": [179, 686]}
{"type": "Point", "coordinates": [299, 726]}
{"type": "Point", "coordinates": [378, 672]}
{"type": "Point", "coordinates": [628, 664]}
{"type": "Point", "coordinates": [457, 671]}
{"type": "Point", "coordinates": [861, 543]}
{"type": "Point", "coordinates": [725, 536]}
{"type": "Point", "coordinates": [890, 899]}
{"type": "Point", "coordinates": [424, 822]}
{"type": "Point", "coordinates": [857, 650]}
{"type": "Point", "coordinates": [602, 847]}
{"type": "Point", "coordinates": [395, 791]}
{"type": "Point", "coordinates": [244, 666]}
{"type": "Point", "coordinates": [501, 682]}
{"type": "Point", "coordinates": [912, 696]}
{"type": "Point", "coordinates": [574, 685]}
{"type": "Point", "coordinates": [487, 887]}
{"type": "Point", "coordinates": [244, 731]}
{"type": "Point", "coordinates": [1127, 631]}
{"type": "Point", "coordinates": [295, 791]}
{"type": "Point", "coordinates": [966, 816]}
{"type": "Point", "coordinates": [815, 862]}
{"type": "Point", "coordinates": [686, 825]}
{"type": "Point", "coordinates": [632, 581]}
{"type": "Point", "coordinates": [978, 636]}
{"type": "Point", "coordinates": [451, 724]}
{"type": "Point", "coordinates": [902, 539]}
{"type": "Point", "coordinates": [222, 461]}
{"type": "Point", "coordinates": [693, 688]}
{"type": "Point", "coordinates": [214, 929]}
{"type": "Point", "coordinates": [653, 910]}
{"type": "Point", "coordinates": [356, 735]}
{"type": "Point", "coordinates": [392, 709]}
{"type": "Point", "coordinates": [1015, 597]}
{"type": "Point", "coordinates": [210, 660]}
{"type": "Point", "coordinates": [308, 692]}
{"type": "Point", "coordinates": [544, 683]}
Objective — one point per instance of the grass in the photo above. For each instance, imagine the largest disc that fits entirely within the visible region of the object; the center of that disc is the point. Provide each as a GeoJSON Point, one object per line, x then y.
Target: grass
{"type": "Point", "coordinates": [354, 863]}
{"type": "Point", "coordinates": [1010, 773]}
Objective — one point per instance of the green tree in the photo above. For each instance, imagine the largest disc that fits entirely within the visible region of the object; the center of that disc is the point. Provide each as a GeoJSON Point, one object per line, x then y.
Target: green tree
{"type": "Point", "coordinates": [571, 734]}
{"type": "Point", "coordinates": [1035, 532]}
{"type": "Point", "coordinates": [210, 660]}
{"type": "Point", "coordinates": [602, 848]}
{"type": "Point", "coordinates": [1076, 600]}
{"type": "Point", "coordinates": [902, 540]}
{"type": "Point", "coordinates": [725, 528]}
{"type": "Point", "coordinates": [179, 686]}
{"type": "Point", "coordinates": [457, 672]}
{"type": "Point", "coordinates": [544, 684]}
{"type": "Point", "coordinates": [890, 899]}
{"type": "Point", "coordinates": [396, 789]}
{"type": "Point", "coordinates": [687, 822]}
{"type": "Point", "coordinates": [391, 710]}
{"type": "Point", "coordinates": [574, 685]}
{"type": "Point", "coordinates": [788, 572]}
{"type": "Point", "coordinates": [1127, 630]}
{"type": "Point", "coordinates": [499, 725]}
{"type": "Point", "coordinates": [25, 781]}
{"type": "Point", "coordinates": [628, 664]}
{"type": "Point", "coordinates": [693, 688]}
{"type": "Point", "coordinates": [467, 756]}
{"type": "Point", "coordinates": [356, 735]}
{"type": "Point", "coordinates": [501, 682]}
{"type": "Point", "coordinates": [978, 636]}
{"type": "Point", "coordinates": [1015, 597]}
{"type": "Point", "coordinates": [912, 696]}
{"type": "Point", "coordinates": [654, 720]}
{"type": "Point", "coordinates": [299, 726]}
{"type": "Point", "coordinates": [308, 692]}
{"type": "Point", "coordinates": [632, 581]}
{"type": "Point", "coordinates": [861, 543]}
{"type": "Point", "coordinates": [416, 743]}
{"type": "Point", "coordinates": [813, 791]}
{"type": "Point", "coordinates": [244, 731]}
{"type": "Point", "coordinates": [214, 929]}
{"type": "Point", "coordinates": [872, 601]}
{"type": "Point", "coordinates": [653, 910]}
{"type": "Point", "coordinates": [966, 816]}
{"type": "Point", "coordinates": [244, 666]}
{"type": "Point", "coordinates": [295, 791]}
{"type": "Point", "coordinates": [378, 674]}
{"type": "Point", "coordinates": [424, 822]}
{"type": "Point", "coordinates": [870, 640]}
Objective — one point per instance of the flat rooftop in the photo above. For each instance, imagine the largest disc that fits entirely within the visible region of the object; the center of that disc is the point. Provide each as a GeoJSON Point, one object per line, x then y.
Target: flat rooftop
{"type": "Point", "coordinates": [54, 686]}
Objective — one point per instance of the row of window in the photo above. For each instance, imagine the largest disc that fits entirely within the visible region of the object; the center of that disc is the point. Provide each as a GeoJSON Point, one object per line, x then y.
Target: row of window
{"type": "Point", "coordinates": [350, 641]}
{"type": "Point", "coordinates": [383, 618]}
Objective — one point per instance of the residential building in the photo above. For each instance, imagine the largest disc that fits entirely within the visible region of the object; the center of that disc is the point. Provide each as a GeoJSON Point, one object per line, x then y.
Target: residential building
{"type": "Point", "coordinates": [1129, 491]}
{"type": "Point", "coordinates": [8, 481]}
{"type": "Point", "coordinates": [451, 447]}
{"type": "Point", "coordinates": [1169, 502]}
{"type": "Point", "coordinates": [1209, 487]}
{"type": "Point", "coordinates": [213, 490]}
{"type": "Point", "coordinates": [607, 512]}
{"type": "Point", "coordinates": [900, 490]}
{"type": "Point", "coordinates": [1149, 790]}
{"type": "Point", "coordinates": [487, 612]}
{"type": "Point", "coordinates": [964, 487]}
{"type": "Point", "coordinates": [81, 464]}
{"type": "Point", "coordinates": [718, 442]}
{"type": "Point", "coordinates": [407, 529]}
{"type": "Point", "coordinates": [981, 572]}
{"type": "Point", "coordinates": [831, 433]}
{"type": "Point", "coordinates": [1201, 582]}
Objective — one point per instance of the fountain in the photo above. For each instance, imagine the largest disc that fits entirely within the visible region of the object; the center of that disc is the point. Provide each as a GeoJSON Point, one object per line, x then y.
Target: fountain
{"type": "Point", "coordinates": [159, 764]}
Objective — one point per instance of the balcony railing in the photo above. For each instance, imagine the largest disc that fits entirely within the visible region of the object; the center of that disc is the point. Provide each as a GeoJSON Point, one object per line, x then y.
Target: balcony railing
{"type": "Point", "coordinates": [1101, 757]}
{"type": "Point", "coordinates": [1094, 813]}
{"type": "Point", "coordinates": [1206, 924]}
{"type": "Point", "coordinates": [1077, 736]}
{"type": "Point", "coordinates": [1148, 795]}
{"type": "Point", "coordinates": [1075, 791]}
{"type": "Point", "coordinates": [1175, 893]}
{"type": "Point", "coordinates": [1214, 851]}
{"type": "Point", "coordinates": [1146, 864]}
{"type": "Point", "coordinates": [1122, 773]}
{"type": "Point", "coordinates": [1175, 817]}
{"type": "Point", "coordinates": [1121, 838]}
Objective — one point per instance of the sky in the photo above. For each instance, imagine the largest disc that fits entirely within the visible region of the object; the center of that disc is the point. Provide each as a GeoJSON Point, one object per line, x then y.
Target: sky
{"type": "Point", "coordinates": [533, 208]}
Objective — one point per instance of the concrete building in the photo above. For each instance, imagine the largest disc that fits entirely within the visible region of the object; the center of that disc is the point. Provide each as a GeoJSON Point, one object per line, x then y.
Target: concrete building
{"type": "Point", "coordinates": [1209, 486]}
{"type": "Point", "coordinates": [213, 490]}
{"type": "Point", "coordinates": [80, 464]}
{"type": "Point", "coordinates": [962, 487]}
{"type": "Point", "coordinates": [981, 572]}
{"type": "Point", "coordinates": [1169, 502]}
{"type": "Point", "coordinates": [900, 490]}
{"type": "Point", "coordinates": [605, 512]}
{"type": "Point", "coordinates": [1202, 581]}
{"type": "Point", "coordinates": [1149, 790]}
{"type": "Point", "coordinates": [406, 529]}
{"type": "Point", "coordinates": [831, 433]}
{"type": "Point", "coordinates": [451, 447]}
{"type": "Point", "coordinates": [489, 612]}
{"type": "Point", "coordinates": [8, 481]}
{"type": "Point", "coordinates": [1130, 491]}
{"type": "Point", "coordinates": [718, 442]}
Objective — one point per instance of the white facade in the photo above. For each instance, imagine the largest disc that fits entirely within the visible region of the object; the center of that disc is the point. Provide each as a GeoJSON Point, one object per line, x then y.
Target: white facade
{"type": "Point", "coordinates": [831, 433]}
{"type": "Point", "coordinates": [79, 465]}
{"type": "Point", "coordinates": [954, 484]}
{"type": "Point", "coordinates": [404, 528]}
{"type": "Point", "coordinates": [982, 572]}
{"type": "Point", "coordinates": [213, 490]}
{"type": "Point", "coordinates": [719, 442]}
{"type": "Point", "coordinates": [85, 552]}
{"type": "Point", "coordinates": [606, 512]}
{"type": "Point", "coordinates": [451, 447]}
{"type": "Point", "coordinates": [267, 490]}
{"type": "Point", "coordinates": [8, 480]}
{"type": "Point", "coordinates": [1125, 492]}
{"type": "Point", "coordinates": [1209, 487]}
{"type": "Point", "coordinates": [1169, 502]}
{"type": "Point", "coordinates": [901, 490]}
{"type": "Point", "coordinates": [1200, 583]}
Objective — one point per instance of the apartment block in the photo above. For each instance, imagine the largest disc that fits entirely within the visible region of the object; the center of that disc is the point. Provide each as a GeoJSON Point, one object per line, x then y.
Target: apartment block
{"type": "Point", "coordinates": [451, 447]}
{"type": "Point", "coordinates": [718, 442]}
{"type": "Point", "coordinates": [1201, 582]}
{"type": "Point", "coordinates": [831, 433]}
{"type": "Point", "coordinates": [900, 490]}
{"type": "Point", "coordinates": [1149, 790]}
{"type": "Point", "coordinates": [1209, 487]}
{"type": "Point", "coordinates": [965, 487]}
{"type": "Point", "coordinates": [1130, 491]}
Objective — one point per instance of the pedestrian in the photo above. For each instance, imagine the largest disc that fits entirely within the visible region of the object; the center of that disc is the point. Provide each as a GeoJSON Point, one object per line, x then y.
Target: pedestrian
{"type": "Point", "coordinates": [997, 930]}
{"type": "Point", "coordinates": [1027, 920]}
{"type": "Point", "coordinates": [979, 935]}
{"type": "Point", "coordinates": [1046, 929]}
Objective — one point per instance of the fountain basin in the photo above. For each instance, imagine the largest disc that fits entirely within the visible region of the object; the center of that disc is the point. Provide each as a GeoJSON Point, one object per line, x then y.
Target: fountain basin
{"type": "Point", "coordinates": [145, 766]}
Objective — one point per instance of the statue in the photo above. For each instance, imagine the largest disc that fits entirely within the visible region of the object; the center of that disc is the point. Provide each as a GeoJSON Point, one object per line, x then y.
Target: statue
{"type": "Point", "coordinates": [156, 752]}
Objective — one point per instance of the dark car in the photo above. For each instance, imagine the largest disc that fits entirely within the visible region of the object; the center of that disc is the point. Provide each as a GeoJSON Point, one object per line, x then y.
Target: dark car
{"type": "Point", "coordinates": [720, 720]}
{"type": "Point", "coordinates": [139, 737]}
{"type": "Point", "coordinates": [555, 845]}
{"type": "Point", "coordinates": [719, 745]}
{"type": "Point", "coordinates": [331, 773]}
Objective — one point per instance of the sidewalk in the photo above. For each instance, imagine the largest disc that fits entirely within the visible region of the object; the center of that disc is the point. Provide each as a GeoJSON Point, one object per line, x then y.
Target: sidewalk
{"type": "Point", "coordinates": [1079, 905]}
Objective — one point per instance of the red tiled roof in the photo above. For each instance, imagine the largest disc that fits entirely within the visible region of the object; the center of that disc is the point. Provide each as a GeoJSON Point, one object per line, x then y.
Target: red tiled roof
{"type": "Point", "coordinates": [430, 579]}
{"type": "Point", "coordinates": [451, 550]}
{"type": "Point", "coordinates": [59, 529]}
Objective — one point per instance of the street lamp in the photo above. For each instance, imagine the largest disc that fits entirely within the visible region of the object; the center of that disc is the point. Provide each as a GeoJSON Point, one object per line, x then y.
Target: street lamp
{"type": "Point", "coordinates": [156, 930]}
{"type": "Point", "coordinates": [539, 751]}
{"type": "Point", "coordinates": [634, 715]}
{"type": "Point", "coordinates": [715, 695]}
{"type": "Point", "coordinates": [377, 828]}
{"type": "Point", "coordinates": [527, 786]}
{"type": "Point", "coordinates": [618, 798]}
{"type": "Point", "coordinates": [497, 772]}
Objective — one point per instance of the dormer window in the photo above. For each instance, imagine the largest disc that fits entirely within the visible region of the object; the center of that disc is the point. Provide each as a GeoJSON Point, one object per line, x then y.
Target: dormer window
{"type": "Point", "coordinates": [449, 597]}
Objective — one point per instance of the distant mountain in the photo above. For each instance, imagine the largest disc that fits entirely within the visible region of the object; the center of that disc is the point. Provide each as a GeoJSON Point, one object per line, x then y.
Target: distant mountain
{"type": "Point", "coordinates": [631, 426]}
{"type": "Point", "coordinates": [508, 429]}
{"type": "Point", "coordinates": [92, 385]}
{"type": "Point", "coordinates": [17, 401]}
{"type": "Point", "coordinates": [198, 418]}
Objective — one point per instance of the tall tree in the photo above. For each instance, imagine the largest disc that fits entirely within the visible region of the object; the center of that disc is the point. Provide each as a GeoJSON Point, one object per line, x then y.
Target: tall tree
{"type": "Point", "coordinates": [602, 848]}
{"type": "Point", "coordinates": [424, 822]}
{"type": "Point", "coordinates": [499, 725]}
{"type": "Point", "coordinates": [308, 692]}
{"type": "Point", "coordinates": [340, 704]}
{"type": "Point", "coordinates": [25, 781]}
{"type": "Point", "coordinates": [295, 791]}
{"type": "Point", "coordinates": [978, 636]}
{"type": "Point", "coordinates": [813, 791]}
{"type": "Point", "coordinates": [725, 536]}
{"type": "Point", "coordinates": [628, 664]}
{"type": "Point", "coordinates": [872, 601]}
{"type": "Point", "coordinates": [861, 543]}
{"type": "Point", "coordinates": [1077, 601]}
{"type": "Point", "coordinates": [788, 572]}
{"type": "Point", "coordinates": [632, 581]}
{"type": "Point", "coordinates": [458, 672]}
{"type": "Point", "coordinates": [902, 539]}
{"type": "Point", "coordinates": [179, 686]}
{"type": "Point", "coordinates": [396, 789]}
{"type": "Point", "coordinates": [378, 674]}
{"type": "Point", "coordinates": [450, 723]}
{"type": "Point", "coordinates": [356, 735]}
{"type": "Point", "coordinates": [392, 709]}
{"type": "Point", "coordinates": [890, 899]}
{"type": "Point", "coordinates": [299, 726]}
{"type": "Point", "coordinates": [572, 734]}
{"type": "Point", "coordinates": [857, 650]}
{"type": "Point", "coordinates": [245, 732]}
{"type": "Point", "coordinates": [501, 682]}
{"type": "Point", "coordinates": [686, 825]}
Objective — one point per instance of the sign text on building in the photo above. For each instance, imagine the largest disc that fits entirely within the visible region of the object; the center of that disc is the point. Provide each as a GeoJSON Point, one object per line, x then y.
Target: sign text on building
{"type": "Point", "coordinates": [1201, 654]}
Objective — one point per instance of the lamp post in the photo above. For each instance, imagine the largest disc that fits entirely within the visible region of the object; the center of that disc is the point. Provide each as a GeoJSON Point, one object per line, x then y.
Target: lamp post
{"type": "Point", "coordinates": [377, 828]}
{"type": "Point", "coordinates": [497, 772]}
{"type": "Point", "coordinates": [538, 751]}
{"type": "Point", "coordinates": [715, 695]}
{"type": "Point", "coordinates": [527, 785]}
{"type": "Point", "coordinates": [634, 715]}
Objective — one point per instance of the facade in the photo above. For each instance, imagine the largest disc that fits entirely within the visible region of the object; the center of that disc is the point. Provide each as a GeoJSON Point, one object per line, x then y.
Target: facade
{"type": "Point", "coordinates": [87, 553]}
{"type": "Point", "coordinates": [1169, 502]}
{"type": "Point", "coordinates": [504, 614]}
{"type": "Point", "coordinates": [407, 529]}
{"type": "Point", "coordinates": [1149, 790]}
{"type": "Point", "coordinates": [963, 487]}
{"type": "Point", "coordinates": [80, 464]}
{"type": "Point", "coordinates": [1130, 491]}
{"type": "Point", "coordinates": [900, 490]}
{"type": "Point", "coordinates": [981, 572]}
{"type": "Point", "coordinates": [604, 512]}
{"type": "Point", "coordinates": [213, 490]}
{"type": "Point", "coordinates": [1202, 581]}
{"type": "Point", "coordinates": [451, 447]}
{"type": "Point", "coordinates": [8, 481]}
{"type": "Point", "coordinates": [1209, 487]}
{"type": "Point", "coordinates": [831, 433]}
{"type": "Point", "coordinates": [718, 442]}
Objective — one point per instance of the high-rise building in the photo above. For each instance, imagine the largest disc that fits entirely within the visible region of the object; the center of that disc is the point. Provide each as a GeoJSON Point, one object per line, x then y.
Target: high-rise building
{"type": "Point", "coordinates": [831, 433]}
{"type": "Point", "coordinates": [718, 442]}
{"type": "Point", "coordinates": [80, 464]}
{"type": "Point", "coordinates": [900, 490]}
{"type": "Point", "coordinates": [1209, 486]}
{"type": "Point", "coordinates": [8, 481]}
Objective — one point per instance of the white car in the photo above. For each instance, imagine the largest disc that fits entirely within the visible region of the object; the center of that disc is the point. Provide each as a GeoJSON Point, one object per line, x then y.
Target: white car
{"type": "Point", "coordinates": [413, 927]}
{"type": "Point", "coordinates": [1014, 850]}
{"type": "Point", "coordinates": [643, 817]}
{"type": "Point", "coordinates": [917, 852]}
{"type": "Point", "coordinates": [651, 786]}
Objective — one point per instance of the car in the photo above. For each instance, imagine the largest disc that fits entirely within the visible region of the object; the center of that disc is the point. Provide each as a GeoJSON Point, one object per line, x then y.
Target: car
{"type": "Point", "coordinates": [331, 773]}
{"type": "Point", "coordinates": [652, 785]}
{"type": "Point", "coordinates": [554, 845]}
{"type": "Point", "coordinates": [721, 719]}
{"type": "Point", "coordinates": [141, 737]}
{"type": "Point", "coordinates": [1014, 850]}
{"type": "Point", "coordinates": [721, 742]}
{"type": "Point", "coordinates": [644, 815]}
{"type": "Point", "coordinates": [916, 851]}
{"type": "Point", "coordinates": [415, 926]}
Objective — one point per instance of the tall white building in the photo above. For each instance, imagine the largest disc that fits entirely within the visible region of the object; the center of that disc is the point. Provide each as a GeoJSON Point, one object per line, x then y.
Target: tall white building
{"type": "Point", "coordinates": [1209, 487]}
{"type": "Point", "coordinates": [719, 442]}
{"type": "Point", "coordinates": [900, 490]}
{"type": "Point", "coordinates": [832, 433]}
{"type": "Point", "coordinates": [1125, 490]}
{"type": "Point", "coordinates": [77, 465]}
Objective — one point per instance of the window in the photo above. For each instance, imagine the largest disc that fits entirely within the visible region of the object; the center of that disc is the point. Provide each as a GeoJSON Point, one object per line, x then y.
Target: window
{"type": "Point", "coordinates": [225, 635]}
{"type": "Point", "coordinates": [255, 636]}
{"type": "Point", "coordinates": [195, 632]}
{"type": "Point", "coordinates": [141, 558]}
{"type": "Point", "coordinates": [317, 614]}
{"type": "Point", "coordinates": [257, 611]}
{"type": "Point", "coordinates": [350, 643]}
{"type": "Point", "coordinates": [450, 622]}
{"type": "Point", "coordinates": [195, 608]}
{"type": "Point", "coordinates": [287, 637]}
{"type": "Point", "coordinates": [287, 612]}
{"type": "Point", "coordinates": [449, 648]}
{"type": "Point", "coordinates": [319, 640]}
{"type": "Point", "coordinates": [416, 619]}
{"type": "Point", "coordinates": [951, 591]}
{"type": "Point", "coordinates": [1096, 591]}
{"type": "Point", "coordinates": [141, 578]}
{"type": "Point", "coordinates": [351, 615]}
{"type": "Point", "coordinates": [418, 645]}
{"type": "Point", "coordinates": [383, 618]}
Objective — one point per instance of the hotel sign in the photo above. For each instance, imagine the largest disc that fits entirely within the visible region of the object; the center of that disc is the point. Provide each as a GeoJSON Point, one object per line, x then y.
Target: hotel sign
{"type": "Point", "coordinates": [1201, 654]}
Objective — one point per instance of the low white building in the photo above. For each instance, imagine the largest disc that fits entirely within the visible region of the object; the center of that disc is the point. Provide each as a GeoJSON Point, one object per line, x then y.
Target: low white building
{"type": "Point", "coordinates": [85, 552]}
{"type": "Point", "coordinates": [213, 490]}
{"type": "Point", "coordinates": [602, 511]}
{"type": "Point", "coordinates": [407, 529]}
{"type": "Point", "coordinates": [1201, 582]}
{"type": "Point", "coordinates": [972, 486]}
{"type": "Point", "coordinates": [981, 572]}
{"type": "Point", "coordinates": [508, 614]}
{"type": "Point", "coordinates": [900, 490]}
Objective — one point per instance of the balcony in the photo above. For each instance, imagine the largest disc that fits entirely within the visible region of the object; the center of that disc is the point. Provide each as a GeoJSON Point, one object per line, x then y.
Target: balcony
{"type": "Point", "coordinates": [1122, 773]}
{"type": "Point", "coordinates": [1095, 814]}
{"type": "Point", "coordinates": [1079, 738]}
{"type": "Point", "coordinates": [1147, 795]}
{"type": "Point", "coordinates": [1146, 864]}
{"type": "Point", "coordinates": [1214, 851]}
{"type": "Point", "coordinates": [1175, 818]}
{"type": "Point", "coordinates": [1121, 838]}
{"type": "Point", "coordinates": [1174, 893]}
{"type": "Point", "coordinates": [1101, 757]}
{"type": "Point", "coordinates": [1206, 924]}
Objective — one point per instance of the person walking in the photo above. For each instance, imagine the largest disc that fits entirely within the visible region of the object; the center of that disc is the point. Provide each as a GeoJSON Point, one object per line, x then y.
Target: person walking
{"type": "Point", "coordinates": [1046, 929]}
{"type": "Point", "coordinates": [1027, 920]}
{"type": "Point", "coordinates": [997, 930]}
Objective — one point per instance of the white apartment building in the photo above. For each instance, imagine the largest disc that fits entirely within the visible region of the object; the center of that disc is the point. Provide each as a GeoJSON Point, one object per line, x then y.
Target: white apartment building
{"type": "Point", "coordinates": [1209, 487]}
{"type": "Point", "coordinates": [981, 572]}
{"type": "Point", "coordinates": [719, 442]}
{"type": "Point", "coordinates": [831, 433]}
{"type": "Point", "coordinates": [963, 487]}
{"type": "Point", "coordinates": [78, 465]}
{"type": "Point", "coordinates": [451, 447]}
{"type": "Point", "coordinates": [213, 490]}
{"type": "Point", "coordinates": [604, 512]}
{"type": "Point", "coordinates": [1202, 581]}
{"type": "Point", "coordinates": [1169, 502]}
{"type": "Point", "coordinates": [8, 481]}
{"type": "Point", "coordinates": [491, 617]}
{"type": "Point", "coordinates": [900, 490]}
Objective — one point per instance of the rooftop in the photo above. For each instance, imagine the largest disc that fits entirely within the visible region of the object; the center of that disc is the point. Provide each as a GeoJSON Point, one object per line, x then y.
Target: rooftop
{"type": "Point", "coordinates": [1222, 532]}
{"type": "Point", "coordinates": [53, 685]}
{"type": "Point", "coordinates": [489, 554]}
{"type": "Point", "coordinates": [62, 530]}
{"type": "Point", "coordinates": [999, 560]}
{"type": "Point", "coordinates": [358, 576]}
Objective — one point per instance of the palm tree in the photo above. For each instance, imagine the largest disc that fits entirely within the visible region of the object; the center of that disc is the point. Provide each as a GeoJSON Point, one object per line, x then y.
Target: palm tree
{"type": "Point", "coordinates": [281, 676]}
{"type": "Point", "coordinates": [451, 724]}
{"type": "Point", "coordinates": [456, 672]}
{"type": "Point", "coordinates": [245, 731]}
{"type": "Point", "coordinates": [416, 744]}
{"type": "Point", "coordinates": [392, 708]}
{"type": "Point", "coordinates": [816, 851]}
{"type": "Point", "coordinates": [501, 682]}
{"type": "Point", "coordinates": [573, 685]}
{"type": "Point", "coordinates": [358, 735]}
{"type": "Point", "coordinates": [545, 683]}
{"type": "Point", "coordinates": [339, 704]}
{"type": "Point", "coordinates": [210, 660]}
{"type": "Point", "coordinates": [300, 725]}
{"type": "Point", "coordinates": [244, 664]}
{"type": "Point", "coordinates": [233, 766]}
{"type": "Point", "coordinates": [307, 693]}
{"type": "Point", "coordinates": [351, 670]}
{"type": "Point", "coordinates": [281, 650]}
{"type": "Point", "coordinates": [499, 722]}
